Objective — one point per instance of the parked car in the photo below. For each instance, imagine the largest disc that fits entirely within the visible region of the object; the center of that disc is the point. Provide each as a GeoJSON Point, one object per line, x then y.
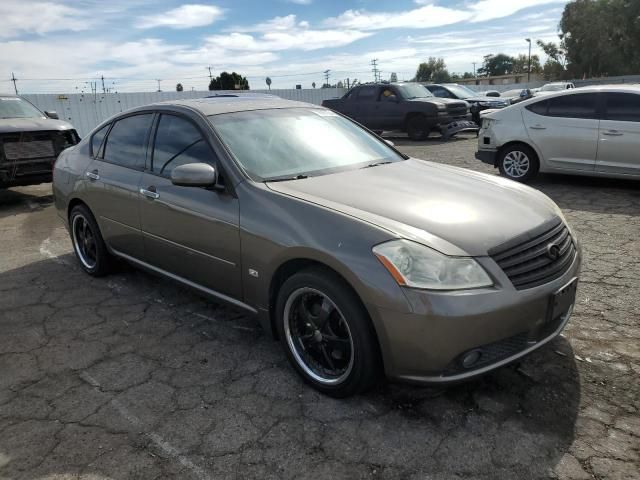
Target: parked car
{"type": "Point", "coordinates": [30, 141]}
{"type": "Point", "coordinates": [553, 87]}
{"type": "Point", "coordinates": [477, 101]}
{"type": "Point", "coordinates": [361, 260]}
{"type": "Point", "coordinates": [517, 95]}
{"type": "Point", "coordinates": [587, 131]}
{"type": "Point", "coordinates": [406, 107]}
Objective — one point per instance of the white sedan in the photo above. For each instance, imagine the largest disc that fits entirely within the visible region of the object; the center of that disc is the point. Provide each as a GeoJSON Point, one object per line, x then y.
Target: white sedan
{"type": "Point", "coordinates": [587, 131]}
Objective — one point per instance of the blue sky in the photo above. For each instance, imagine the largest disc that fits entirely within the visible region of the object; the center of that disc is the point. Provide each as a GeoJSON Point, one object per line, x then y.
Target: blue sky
{"type": "Point", "coordinates": [56, 47]}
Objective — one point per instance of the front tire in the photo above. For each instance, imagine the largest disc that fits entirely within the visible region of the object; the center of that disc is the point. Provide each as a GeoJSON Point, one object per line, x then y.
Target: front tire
{"type": "Point", "coordinates": [88, 243]}
{"type": "Point", "coordinates": [327, 334]}
{"type": "Point", "coordinates": [518, 162]}
{"type": "Point", "coordinates": [418, 128]}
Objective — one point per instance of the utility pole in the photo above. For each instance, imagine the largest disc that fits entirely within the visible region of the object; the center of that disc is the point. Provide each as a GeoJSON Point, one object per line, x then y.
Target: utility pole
{"type": "Point", "coordinates": [13, 79]}
{"type": "Point", "coordinates": [376, 72]}
{"type": "Point", "coordinates": [158, 80]}
{"type": "Point", "coordinates": [103, 89]}
{"type": "Point", "coordinates": [326, 77]}
{"type": "Point", "coordinates": [529, 68]}
{"type": "Point", "coordinates": [210, 74]}
{"type": "Point", "coordinates": [474, 69]}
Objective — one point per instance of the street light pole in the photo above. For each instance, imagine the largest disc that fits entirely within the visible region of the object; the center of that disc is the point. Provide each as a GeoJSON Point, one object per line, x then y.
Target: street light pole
{"type": "Point", "coordinates": [529, 67]}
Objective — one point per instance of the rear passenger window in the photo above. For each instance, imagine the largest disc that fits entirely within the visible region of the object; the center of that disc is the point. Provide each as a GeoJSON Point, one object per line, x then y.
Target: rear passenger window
{"type": "Point", "coordinates": [126, 144]}
{"type": "Point", "coordinates": [365, 93]}
{"type": "Point", "coordinates": [178, 142]}
{"type": "Point", "coordinates": [624, 107]}
{"type": "Point", "coordinates": [96, 140]}
{"type": "Point", "coordinates": [539, 108]}
{"type": "Point", "coordinates": [582, 105]}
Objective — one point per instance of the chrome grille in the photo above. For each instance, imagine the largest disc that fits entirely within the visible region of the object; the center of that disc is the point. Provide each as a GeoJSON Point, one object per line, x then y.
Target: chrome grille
{"type": "Point", "coordinates": [28, 149]}
{"type": "Point", "coordinates": [538, 257]}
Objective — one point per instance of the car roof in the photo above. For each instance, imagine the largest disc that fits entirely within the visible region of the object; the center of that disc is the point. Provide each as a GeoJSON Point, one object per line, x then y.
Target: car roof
{"type": "Point", "coordinates": [634, 88]}
{"type": "Point", "coordinates": [217, 105]}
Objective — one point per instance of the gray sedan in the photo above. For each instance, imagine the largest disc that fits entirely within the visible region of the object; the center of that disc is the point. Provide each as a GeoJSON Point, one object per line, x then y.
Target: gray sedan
{"type": "Point", "coordinates": [361, 261]}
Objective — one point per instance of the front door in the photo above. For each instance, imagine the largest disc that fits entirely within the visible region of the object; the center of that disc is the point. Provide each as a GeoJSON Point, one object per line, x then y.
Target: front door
{"type": "Point", "coordinates": [565, 130]}
{"type": "Point", "coordinates": [113, 180]}
{"type": "Point", "coordinates": [389, 113]}
{"type": "Point", "coordinates": [365, 110]}
{"type": "Point", "coordinates": [620, 134]}
{"type": "Point", "coordinates": [190, 232]}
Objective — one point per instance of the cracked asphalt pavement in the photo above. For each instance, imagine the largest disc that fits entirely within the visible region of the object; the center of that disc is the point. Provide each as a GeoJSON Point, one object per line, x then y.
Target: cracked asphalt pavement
{"type": "Point", "coordinates": [133, 377]}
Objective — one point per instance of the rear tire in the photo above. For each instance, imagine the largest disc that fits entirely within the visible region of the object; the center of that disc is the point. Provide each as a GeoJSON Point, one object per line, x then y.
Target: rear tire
{"type": "Point", "coordinates": [88, 243]}
{"type": "Point", "coordinates": [518, 162]}
{"type": "Point", "coordinates": [326, 333]}
{"type": "Point", "coordinates": [418, 128]}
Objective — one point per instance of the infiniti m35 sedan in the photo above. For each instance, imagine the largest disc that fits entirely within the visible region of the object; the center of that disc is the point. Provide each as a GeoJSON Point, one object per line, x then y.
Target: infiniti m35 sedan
{"type": "Point", "coordinates": [363, 262]}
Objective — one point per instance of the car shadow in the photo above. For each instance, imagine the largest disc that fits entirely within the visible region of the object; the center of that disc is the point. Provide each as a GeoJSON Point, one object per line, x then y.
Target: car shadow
{"type": "Point", "coordinates": [14, 201]}
{"type": "Point", "coordinates": [65, 330]}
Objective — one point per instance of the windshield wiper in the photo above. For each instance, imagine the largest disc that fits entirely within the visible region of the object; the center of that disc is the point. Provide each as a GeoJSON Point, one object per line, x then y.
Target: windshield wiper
{"type": "Point", "coordinates": [284, 179]}
{"type": "Point", "coordinates": [375, 164]}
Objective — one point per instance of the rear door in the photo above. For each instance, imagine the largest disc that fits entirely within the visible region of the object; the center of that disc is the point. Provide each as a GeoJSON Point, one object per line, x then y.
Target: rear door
{"type": "Point", "coordinates": [365, 106]}
{"type": "Point", "coordinates": [619, 134]}
{"type": "Point", "coordinates": [113, 180]}
{"type": "Point", "coordinates": [565, 130]}
{"type": "Point", "coordinates": [191, 232]}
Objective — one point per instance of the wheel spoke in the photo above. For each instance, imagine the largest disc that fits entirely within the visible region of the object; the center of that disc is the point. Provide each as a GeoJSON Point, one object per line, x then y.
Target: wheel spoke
{"type": "Point", "coordinates": [326, 308]}
{"type": "Point", "coordinates": [327, 357]}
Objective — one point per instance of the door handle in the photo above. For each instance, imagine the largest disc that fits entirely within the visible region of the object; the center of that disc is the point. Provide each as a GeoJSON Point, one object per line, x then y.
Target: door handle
{"type": "Point", "coordinates": [537, 127]}
{"type": "Point", "coordinates": [150, 192]}
{"type": "Point", "coordinates": [612, 133]}
{"type": "Point", "coordinates": [93, 176]}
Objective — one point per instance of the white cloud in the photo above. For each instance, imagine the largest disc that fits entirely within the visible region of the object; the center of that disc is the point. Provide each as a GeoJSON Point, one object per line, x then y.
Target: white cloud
{"type": "Point", "coordinates": [492, 9]}
{"type": "Point", "coordinates": [301, 39]}
{"type": "Point", "coordinates": [20, 17]}
{"type": "Point", "coordinates": [185, 16]}
{"type": "Point", "coordinates": [423, 17]}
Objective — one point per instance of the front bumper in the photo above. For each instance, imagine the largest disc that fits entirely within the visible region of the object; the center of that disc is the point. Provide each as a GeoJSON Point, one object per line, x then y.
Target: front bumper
{"type": "Point", "coordinates": [427, 346]}
{"type": "Point", "coordinates": [487, 156]}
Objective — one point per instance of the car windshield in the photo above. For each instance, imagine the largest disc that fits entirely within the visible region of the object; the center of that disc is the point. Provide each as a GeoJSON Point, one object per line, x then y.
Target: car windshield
{"type": "Point", "coordinates": [16, 107]}
{"type": "Point", "coordinates": [291, 143]}
{"type": "Point", "coordinates": [413, 90]}
{"type": "Point", "coordinates": [461, 92]}
{"type": "Point", "coordinates": [554, 87]}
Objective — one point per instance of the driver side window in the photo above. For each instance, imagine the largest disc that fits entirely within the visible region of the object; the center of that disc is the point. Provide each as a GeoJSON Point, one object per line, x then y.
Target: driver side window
{"type": "Point", "coordinates": [178, 142]}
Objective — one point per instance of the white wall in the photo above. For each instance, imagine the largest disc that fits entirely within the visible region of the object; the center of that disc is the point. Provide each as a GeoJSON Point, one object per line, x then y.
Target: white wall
{"type": "Point", "coordinates": [85, 111]}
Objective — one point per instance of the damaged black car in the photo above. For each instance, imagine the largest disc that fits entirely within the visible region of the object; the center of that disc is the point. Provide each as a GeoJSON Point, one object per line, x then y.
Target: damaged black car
{"type": "Point", "coordinates": [30, 142]}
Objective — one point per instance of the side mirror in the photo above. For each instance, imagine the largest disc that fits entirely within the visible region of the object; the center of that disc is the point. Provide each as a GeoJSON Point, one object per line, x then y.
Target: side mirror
{"type": "Point", "coordinates": [389, 142]}
{"type": "Point", "coordinates": [52, 114]}
{"type": "Point", "coordinates": [194, 175]}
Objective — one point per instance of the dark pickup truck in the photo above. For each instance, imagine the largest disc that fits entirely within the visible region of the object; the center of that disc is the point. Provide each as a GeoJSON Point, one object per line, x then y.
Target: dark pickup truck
{"type": "Point", "coordinates": [407, 107]}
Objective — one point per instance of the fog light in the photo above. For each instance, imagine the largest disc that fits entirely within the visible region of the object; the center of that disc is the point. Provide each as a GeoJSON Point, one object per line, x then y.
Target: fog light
{"type": "Point", "coordinates": [471, 358]}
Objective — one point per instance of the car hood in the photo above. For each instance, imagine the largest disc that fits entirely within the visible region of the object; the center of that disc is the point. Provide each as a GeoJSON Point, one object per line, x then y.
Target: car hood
{"type": "Point", "coordinates": [456, 211]}
{"type": "Point", "coordinates": [442, 101]}
{"type": "Point", "coordinates": [36, 124]}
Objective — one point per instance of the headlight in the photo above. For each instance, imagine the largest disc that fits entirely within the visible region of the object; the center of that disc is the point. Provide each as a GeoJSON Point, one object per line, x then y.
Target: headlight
{"type": "Point", "coordinates": [414, 265]}
{"type": "Point", "coordinates": [494, 104]}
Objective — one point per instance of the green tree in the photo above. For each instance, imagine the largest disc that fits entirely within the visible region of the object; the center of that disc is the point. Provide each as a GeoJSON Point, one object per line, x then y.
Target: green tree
{"type": "Point", "coordinates": [179, 87]}
{"type": "Point", "coordinates": [493, 65]}
{"type": "Point", "coordinates": [601, 37]}
{"type": "Point", "coordinates": [433, 70]}
{"type": "Point", "coordinates": [521, 64]}
{"type": "Point", "coordinates": [229, 81]}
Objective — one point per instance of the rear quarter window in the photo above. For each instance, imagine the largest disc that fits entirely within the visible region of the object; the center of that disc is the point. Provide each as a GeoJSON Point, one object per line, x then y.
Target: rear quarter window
{"type": "Point", "coordinates": [539, 108]}
{"type": "Point", "coordinates": [97, 139]}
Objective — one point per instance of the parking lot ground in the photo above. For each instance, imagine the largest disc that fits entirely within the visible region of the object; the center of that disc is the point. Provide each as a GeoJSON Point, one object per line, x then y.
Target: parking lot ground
{"type": "Point", "coordinates": [133, 377]}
